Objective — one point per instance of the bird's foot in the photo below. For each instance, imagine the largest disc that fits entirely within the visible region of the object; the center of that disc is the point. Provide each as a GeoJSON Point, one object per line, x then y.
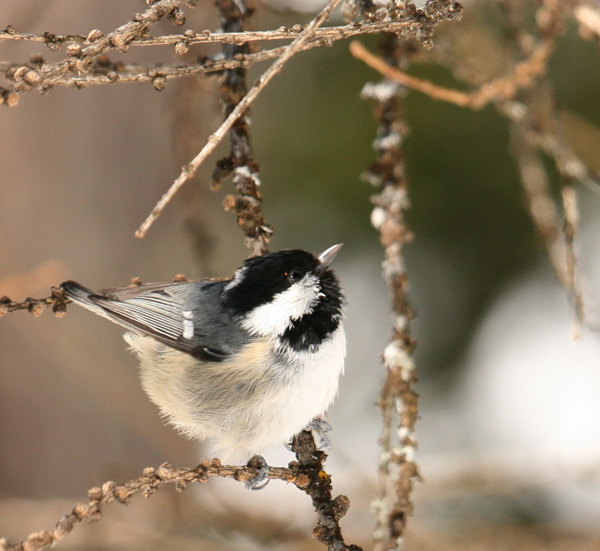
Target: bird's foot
{"type": "Point", "coordinates": [320, 428]}
{"type": "Point", "coordinates": [258, 482]}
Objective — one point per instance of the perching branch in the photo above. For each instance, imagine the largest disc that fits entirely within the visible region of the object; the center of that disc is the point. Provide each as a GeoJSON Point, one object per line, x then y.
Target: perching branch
{"type": "Point", "coordinates": [149, 483]}
{"type": "Point", "coordinates": [329, 510]}
{"type": "Point", "coordinates": [306, 474]}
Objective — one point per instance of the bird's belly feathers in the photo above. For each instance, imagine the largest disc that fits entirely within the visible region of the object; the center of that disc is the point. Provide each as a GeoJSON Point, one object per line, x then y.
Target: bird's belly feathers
{"type": "Point", "coordinates": [245, 407]}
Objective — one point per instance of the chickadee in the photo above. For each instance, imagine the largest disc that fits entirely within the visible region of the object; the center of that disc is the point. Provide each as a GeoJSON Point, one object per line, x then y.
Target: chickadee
{"type": "Point", "coordinates": [246, 362]}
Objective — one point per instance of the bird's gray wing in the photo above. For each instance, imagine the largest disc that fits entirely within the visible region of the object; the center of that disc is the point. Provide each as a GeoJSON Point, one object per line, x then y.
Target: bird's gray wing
{"type": "Point", "coordinates": [186, 316]}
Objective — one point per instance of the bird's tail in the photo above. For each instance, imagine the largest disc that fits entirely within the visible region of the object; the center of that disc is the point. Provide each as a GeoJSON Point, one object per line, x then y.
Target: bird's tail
{"type": "Point", "coordinates": [81, 295]}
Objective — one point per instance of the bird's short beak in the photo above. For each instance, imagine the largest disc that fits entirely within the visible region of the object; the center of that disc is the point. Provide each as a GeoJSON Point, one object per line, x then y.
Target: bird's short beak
{"type": "Point", "coordinates": [327, 256]}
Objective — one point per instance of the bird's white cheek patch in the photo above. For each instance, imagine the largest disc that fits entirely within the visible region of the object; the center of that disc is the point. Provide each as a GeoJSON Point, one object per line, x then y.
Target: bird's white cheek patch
{"type": "Point", "coordinates": [275, 317]}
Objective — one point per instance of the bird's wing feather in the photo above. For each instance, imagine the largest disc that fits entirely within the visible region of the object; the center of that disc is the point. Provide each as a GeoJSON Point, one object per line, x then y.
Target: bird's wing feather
{"type": "Point", "coordinates": [157, 309]}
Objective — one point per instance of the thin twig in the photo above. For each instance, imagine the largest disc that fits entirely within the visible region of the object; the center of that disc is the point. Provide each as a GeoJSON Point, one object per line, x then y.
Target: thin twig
{"type": "Point", "coordinates": [103, 71]}
{"type": "Point", "coordinates": [567, 162]}
{"type": "Point", "coordinates": [307, 475]}
{"type": "Point", "coordinates": [502, 91]}
{"type": "Point", "coordinates": [532, 136]}
{"type": "Point", "coordinates": [57, 301]}
{"type": "Point", "coordinates": [410, 20]}
{"type": "Point", "coordinates": [535, 119]}
{"type": "Point", "coordinates": [76, 69]}
{"type": "Point", "coordinates": [506, 87]}
{"type": "Point", "coordinates": [80, 59]}
{"type": "Point", "coordinates": [188, 171]}
{"type": "Point", "coordinates": [151, 481]}
{"type": "Point", "coordinates": [570, 228]}
{"type": "Point", "coordinates": [542, 207]}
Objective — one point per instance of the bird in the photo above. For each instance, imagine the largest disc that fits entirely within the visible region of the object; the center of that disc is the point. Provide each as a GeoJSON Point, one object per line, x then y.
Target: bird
{"type": "Point", "coordinates": [245, 362]}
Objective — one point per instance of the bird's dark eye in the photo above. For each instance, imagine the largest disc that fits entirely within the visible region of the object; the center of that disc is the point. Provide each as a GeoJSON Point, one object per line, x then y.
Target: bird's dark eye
{"type": "Point", "coordinates": [293, 276]}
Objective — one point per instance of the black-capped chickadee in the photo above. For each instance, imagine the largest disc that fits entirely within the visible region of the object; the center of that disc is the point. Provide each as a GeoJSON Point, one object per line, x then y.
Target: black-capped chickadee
{"type": "Point", "coordinates": [246, 362]}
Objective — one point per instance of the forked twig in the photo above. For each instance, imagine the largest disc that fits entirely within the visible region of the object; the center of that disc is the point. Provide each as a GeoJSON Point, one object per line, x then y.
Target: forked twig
{"type": "Point", "coordinates": [188, 170]}
{"type": "Point", "coordinates": [80, 58]}
{"type": "Point", "coordinates": [506, 87]}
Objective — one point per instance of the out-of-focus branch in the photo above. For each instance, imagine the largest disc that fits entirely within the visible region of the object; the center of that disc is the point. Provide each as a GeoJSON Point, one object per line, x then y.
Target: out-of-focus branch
{"type": "Point", "coordinates": [398, 400]}
{"type": "Point", "coordinates": [540, 130]}
{"type": "Point", "coordinates": [534, 132]}
{"type": "Point", "coordinates": [588, 17]}
{"type": "Point", "coordinates": [190, 169]}
{"type": "Point", "coordinates": [535, 119]}
{"type": "Point", "coordinates": [506, 87]}
{"type": "Point", "coordinates": [542, 207]}
{"type": "Point", "coordinates": [567, 162]}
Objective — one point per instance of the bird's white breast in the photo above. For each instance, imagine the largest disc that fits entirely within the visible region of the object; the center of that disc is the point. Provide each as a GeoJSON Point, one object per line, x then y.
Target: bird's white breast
{"type": "Point", "coordinates": [249, 403]}
{"type": "Point", "coordinates": [275, 317]}
{"type": "Point", "coordinates": [314, 384]}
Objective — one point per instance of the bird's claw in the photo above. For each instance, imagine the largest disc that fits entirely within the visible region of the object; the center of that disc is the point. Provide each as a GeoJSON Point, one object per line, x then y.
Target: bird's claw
{"type": "Point", "coordinates": [259, 481]}
{"type": "Point", "coordinates": [320, 428]}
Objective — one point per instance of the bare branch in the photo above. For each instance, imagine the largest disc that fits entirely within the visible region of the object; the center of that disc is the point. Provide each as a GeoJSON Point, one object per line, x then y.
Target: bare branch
{"type": "Point", "coordinates": [69, 72]}
{"type": "Point", "coordinates": [190, 169]}
{"type": "Point", "coordinates": [506, 87]}
{"type": "Point", "coordinates": [150, 482]}
{"type": "Point", "coordinates": [57, 301]}
{"type": "Point", "coordinates": [398, 400]}
{"type": "Point", "coordinates": [527, 74]}
{"type": "Point", "coordinates": [535, 119]}
{"type": "Point", "coordinates": [542, 208]}
{"type": "Point", "coordinates": [410, 21]}
{"type": "Point", "coordinates": [240, 161]}
{"type": "Point", "coordinates": [568, 164]}
{"type": "Point", "coordinates": [307, 475]}
{"type": "Point", "coordinates": [79, 59]}
{"type": "Point", "coordinates": [329, 510]}
{"type": "Point", "coordinates": [530, 137]}
{"type": "Point", "coordinates": [103, 71]}
{"type": "Point", "coordinates": [570, 228]}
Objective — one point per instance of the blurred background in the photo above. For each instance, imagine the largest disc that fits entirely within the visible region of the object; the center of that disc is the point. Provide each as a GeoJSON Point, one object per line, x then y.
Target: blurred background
{"type": "Point", "coordinates": [509, 430]}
